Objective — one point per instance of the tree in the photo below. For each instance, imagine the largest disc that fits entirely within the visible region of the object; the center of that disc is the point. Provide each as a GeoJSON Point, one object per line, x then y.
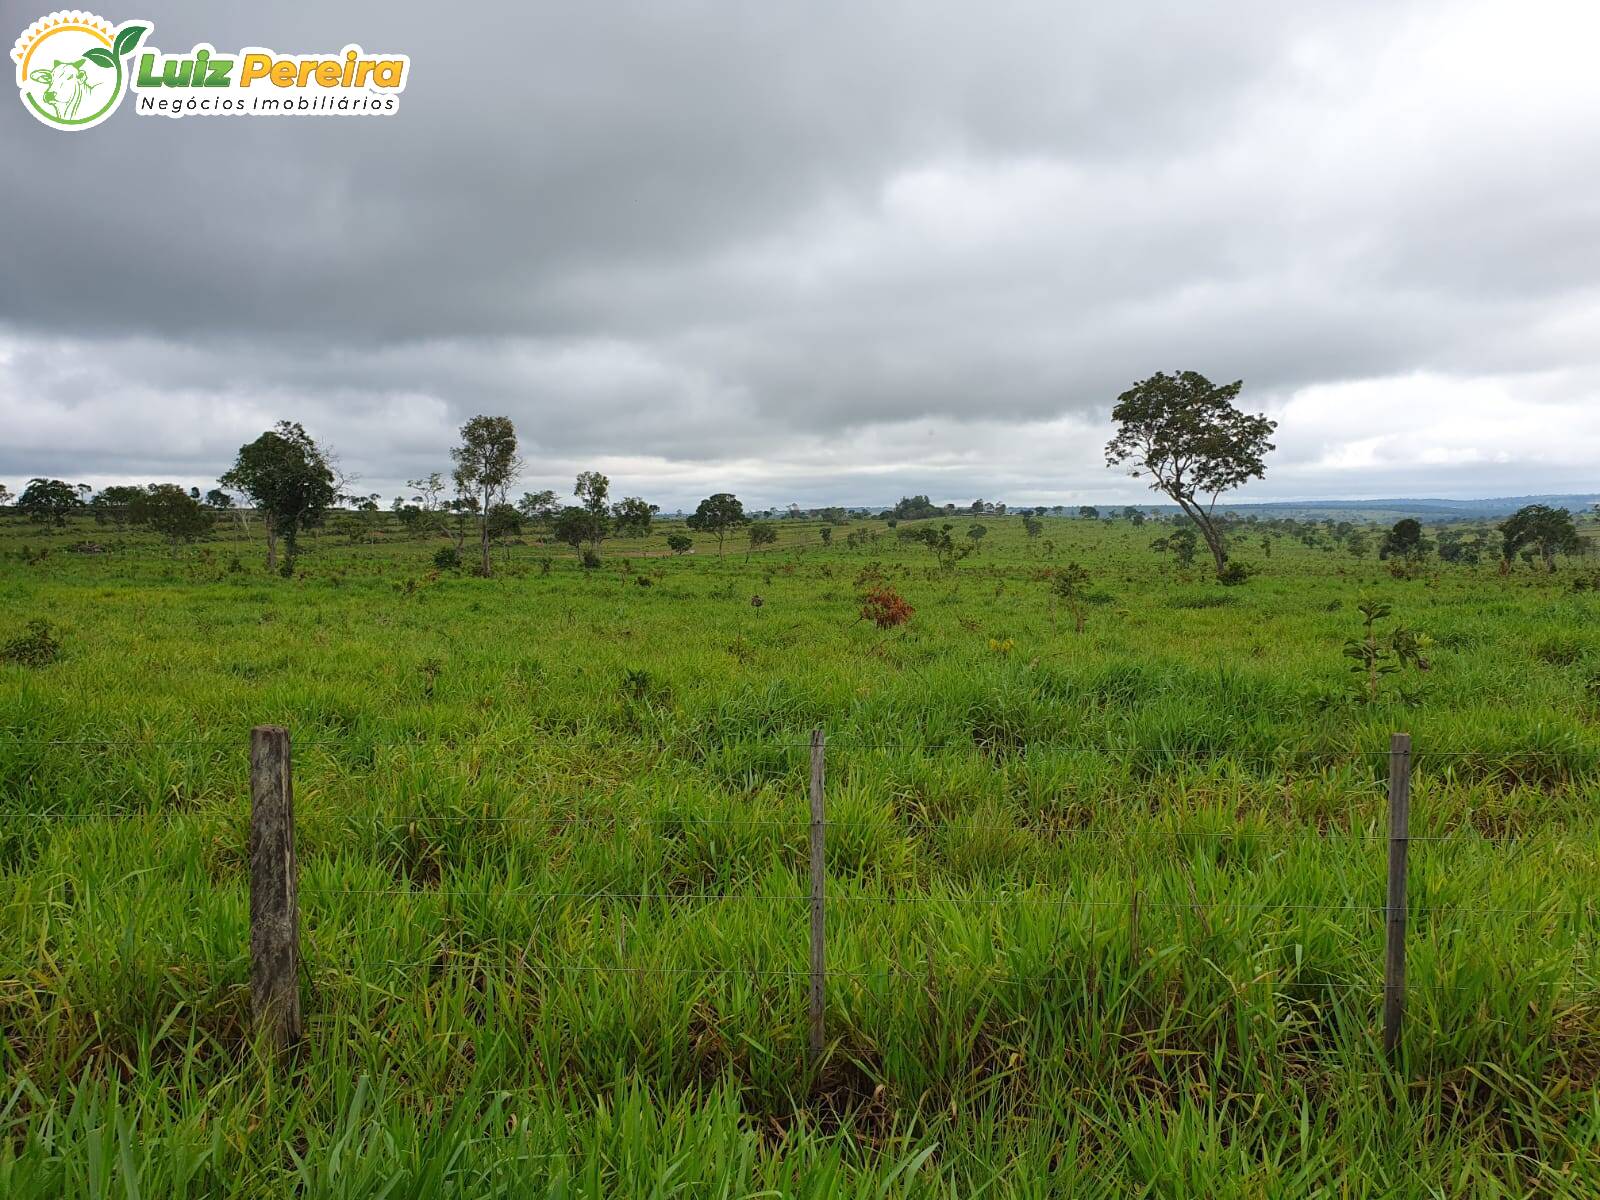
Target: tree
{"type": "Point", "coordinates": [1548, 530]}
{"type": "Point", "coordinates": [113, 503]}
{"type": "Point", "coordinates": [977, 533]}
{"type": "Point", "coordinates": [1088, 512]}
{"type": "Point", "coordinates": [1031, 525]}
{"type": "Point", "coordinates": [718, 514]}
{"type": "Point", "coordinates": [49, 501]}
{"type": "Point", "coordinates": [1070, 585]}
{"type": "Point", "coordinates": [537, 508]}
{"type": "Point", "coordinates": [575, 526]}
{"type": "Point", "coordinates": [1185, 433]}
{"type": "Point", "coordinates": [915, 508]}
{"type": "Point", "coordinates": [1182, 543]}
{"type": "Point", "coordinates": [592, 490]}
{"type": "Point", "coordinates": [172, 512]}
{"type": "Point", "coordinates": [679, 543]}
{"type": "Point", "coordinates": [632, 516]}
{"type": "Point", "coordinates": [940, 543]}
{"type": "Point", "coordinates": [218, 499]}
{"type": "Point", "coordinates": [1405, 541]}
{"type": "Point", "coordinates": [286, 475]}
{"type": "Point", "coordinates": [1358, 544]}
{"type": "Point", "coordinates": [5, 495]}
{"type": "Point", "coordinates": [486, 466]}
{"type": "Point", "coordinates": [762, 533]}
{"type": "Point", "coordinates": [505, 520]}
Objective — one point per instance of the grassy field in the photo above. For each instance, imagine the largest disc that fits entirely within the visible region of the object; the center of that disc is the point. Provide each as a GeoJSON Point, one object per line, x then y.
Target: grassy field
{"type": "Point", "coordinates": [553, 870]}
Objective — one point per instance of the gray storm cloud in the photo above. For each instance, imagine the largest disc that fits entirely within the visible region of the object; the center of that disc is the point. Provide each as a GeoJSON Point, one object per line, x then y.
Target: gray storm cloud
{"type": "Point", "coordinates": [833, 251]}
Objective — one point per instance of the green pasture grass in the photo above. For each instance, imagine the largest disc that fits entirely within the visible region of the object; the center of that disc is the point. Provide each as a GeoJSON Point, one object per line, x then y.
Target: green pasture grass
{"type": "Point", "coordinates": [1104, 910]}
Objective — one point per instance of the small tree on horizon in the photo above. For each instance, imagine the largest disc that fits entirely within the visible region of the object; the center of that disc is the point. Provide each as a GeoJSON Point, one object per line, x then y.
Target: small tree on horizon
{"type": "Point", "coordinates": [171, 512]}
{"type": "Point", "coordinates": [114, 503]}
{"type": "Point", "coordinates": [593, 491]}
{"type": "Point", "coordinates": [1184, 432]}
{"type": "Point", "coordinates": [486, 466]}
{"type": "Point", "coordinates": [49, 501]}
{"type": "Point", "coordinates": [633, 517]}
{"type": "Point", "coordinates": [1550, 531]}
{"type": "Point", "coordinates": [762, 533]}
{"type": "Point", "coordinates": [537, 508]}
{"type": "Point", "coordinates": [287, 477]}
{"type": "Point", "coordinates": [718, 514]}
{"type": "Point", "coordinates": [1405, 541]}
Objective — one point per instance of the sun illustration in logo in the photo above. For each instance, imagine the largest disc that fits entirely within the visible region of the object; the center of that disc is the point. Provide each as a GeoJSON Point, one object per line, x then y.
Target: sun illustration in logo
{"type": "Point", "coordinates": [70, 67]}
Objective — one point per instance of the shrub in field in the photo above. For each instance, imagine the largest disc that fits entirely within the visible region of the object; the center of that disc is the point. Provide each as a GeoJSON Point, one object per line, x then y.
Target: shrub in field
{"type": "Point", "coordinates": [1235, 573]}
{"type": "Point", "coordinates": [1376, 656]}
{"type": "Point", "coordinates": [940, 543]}
{"type": "Point", "coordinates": [591, 560]}
{"type": "Point", "coordinates": [762, 533]}
{"type": "Point", "coordinates": [1180, 543]}
{"type": "Point", "coordinates": [447, 558]}
{"type": "Point", "coordinates": [679, 543]}
{"type": "Point", "coordinates": [885, 607]}
{"type": "Point", "coordinates": [1405, 542]}
{"type": "Point", "coordinates": [37, 646]}
{"type": "Point", "coordinates": [1070, 585]}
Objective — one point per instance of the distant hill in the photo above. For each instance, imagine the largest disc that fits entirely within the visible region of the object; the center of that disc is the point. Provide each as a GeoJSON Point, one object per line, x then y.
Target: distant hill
{"type": "Point", "coordinates": [1421, 507]}
{"type": "Point", "coordinates": [1386, 510]}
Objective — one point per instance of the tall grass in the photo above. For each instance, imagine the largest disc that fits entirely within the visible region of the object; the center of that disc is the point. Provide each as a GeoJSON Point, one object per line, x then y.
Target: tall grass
{"type": "Point", "coordinates": [552, 837]}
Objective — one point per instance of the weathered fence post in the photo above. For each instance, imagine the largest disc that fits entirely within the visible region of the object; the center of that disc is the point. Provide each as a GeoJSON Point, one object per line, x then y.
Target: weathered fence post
{"type": "Point", "coordinates": [1394, 960]}
{"type": "Point", "coordinates": [274, 889]}
{"type": "Point", "coordinates": [818, 874]}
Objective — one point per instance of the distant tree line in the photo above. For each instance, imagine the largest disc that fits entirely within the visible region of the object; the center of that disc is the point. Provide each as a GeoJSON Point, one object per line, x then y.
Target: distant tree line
{"type": "Point", "coordinates": [1181, 432]}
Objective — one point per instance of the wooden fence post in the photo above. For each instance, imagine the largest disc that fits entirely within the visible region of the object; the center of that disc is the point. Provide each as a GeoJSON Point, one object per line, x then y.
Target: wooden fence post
{"type": "Point", "coordinates": [274, 889]}
{"type": "Point", "coordinates": [1394, 959]}
{"type": "Point", "coordinates": [818, 874]}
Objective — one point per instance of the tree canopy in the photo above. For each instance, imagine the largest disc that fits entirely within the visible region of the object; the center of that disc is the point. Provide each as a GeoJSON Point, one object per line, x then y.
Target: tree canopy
{"type": "Point", "coordinates": [486, 466]}
{"type": "Point", "coordinates": [286, 475]}
{"type": "Point", "coordinates": [717, 515]}
{"type": "Point", "coordinates": [48, 501]}
{"type": "Point", "coordinates": [172, 512]}
{"type": "Point", "coordinates": [1186, 435]}
{"type": "Point", "coordinates": [1549, 531]}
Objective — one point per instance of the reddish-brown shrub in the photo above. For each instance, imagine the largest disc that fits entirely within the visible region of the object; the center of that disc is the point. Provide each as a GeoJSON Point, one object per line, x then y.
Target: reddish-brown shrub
{"type": "Point", "coordinates": [885, 607]}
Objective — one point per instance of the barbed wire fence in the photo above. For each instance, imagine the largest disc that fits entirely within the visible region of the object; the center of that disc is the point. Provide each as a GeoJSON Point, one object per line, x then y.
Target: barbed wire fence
{"type": "Point", "coordinates": [275, 911]}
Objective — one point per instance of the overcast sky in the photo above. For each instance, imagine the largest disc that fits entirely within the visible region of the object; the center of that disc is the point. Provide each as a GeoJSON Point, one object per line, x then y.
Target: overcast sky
{"type": "Point", "coordinates": [833, 252]}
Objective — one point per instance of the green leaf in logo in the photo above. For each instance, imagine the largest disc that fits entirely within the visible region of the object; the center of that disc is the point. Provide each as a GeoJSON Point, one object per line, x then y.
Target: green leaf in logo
{"type": "Point", "coordinates": [128, 38]}
{"type": "Point", "coordinates": [100, 56]}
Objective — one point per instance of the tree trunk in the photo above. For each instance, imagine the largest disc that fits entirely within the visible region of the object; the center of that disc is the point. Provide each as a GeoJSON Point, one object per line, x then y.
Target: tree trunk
{"type": "Point", "coordinates": [483, 538]}
{"type": "Point", "coordinates": [1213, 540]}
{"type": "Point", "coordinates": [272, 547]}
{"type": "Point", "coordinates": [1208, 530]}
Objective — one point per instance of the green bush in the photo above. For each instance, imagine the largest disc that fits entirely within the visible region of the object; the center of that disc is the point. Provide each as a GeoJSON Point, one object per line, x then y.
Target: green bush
{"type": "Point", "coordinates": [36, 647]}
